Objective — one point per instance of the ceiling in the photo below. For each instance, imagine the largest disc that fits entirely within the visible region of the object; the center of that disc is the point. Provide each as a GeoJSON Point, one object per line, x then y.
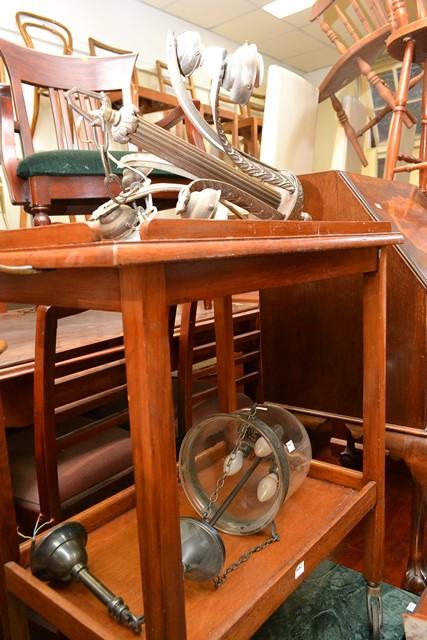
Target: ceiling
{"type": "Point", "coordinates": [294, 41]}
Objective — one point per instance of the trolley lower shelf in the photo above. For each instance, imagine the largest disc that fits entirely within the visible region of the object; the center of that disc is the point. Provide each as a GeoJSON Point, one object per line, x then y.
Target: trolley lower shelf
{"type": "Point", "coordinates": [310, 525]}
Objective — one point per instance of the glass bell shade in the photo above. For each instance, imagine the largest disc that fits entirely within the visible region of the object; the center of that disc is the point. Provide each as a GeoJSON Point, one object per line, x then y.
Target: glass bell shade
{"type": "Point", "coordinates": [237, 469]}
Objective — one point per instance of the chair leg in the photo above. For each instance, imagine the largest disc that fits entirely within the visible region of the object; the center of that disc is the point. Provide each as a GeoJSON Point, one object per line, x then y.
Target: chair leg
{"type": "Point", "coordinates": [22, 219]}
{"type": "Point", "coordinates": [395, 132]}
{"type": "Point", "coordinates": [416, 572]}
{"type": "Point", "coordinates": [41, 215]}
{"type": "Point", "coordinates": [3, 207]}
{"type": "Point", "coordinates": [254, 139]}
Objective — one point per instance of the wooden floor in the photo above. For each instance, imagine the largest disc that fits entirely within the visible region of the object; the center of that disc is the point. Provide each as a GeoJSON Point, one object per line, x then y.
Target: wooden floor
{"type": "Point", "coordinates": [398, 510]}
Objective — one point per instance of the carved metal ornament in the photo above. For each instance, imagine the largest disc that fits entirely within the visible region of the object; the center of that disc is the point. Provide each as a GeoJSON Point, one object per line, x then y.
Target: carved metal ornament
{"type": "Point", "coordinates": [239, 73]}
{"type": "Point", "coordinates": [259, 197]}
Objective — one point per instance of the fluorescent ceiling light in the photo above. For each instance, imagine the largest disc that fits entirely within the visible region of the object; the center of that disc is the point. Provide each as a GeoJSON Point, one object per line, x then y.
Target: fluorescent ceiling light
{"type": "Point", "coordinates": [283, 8]}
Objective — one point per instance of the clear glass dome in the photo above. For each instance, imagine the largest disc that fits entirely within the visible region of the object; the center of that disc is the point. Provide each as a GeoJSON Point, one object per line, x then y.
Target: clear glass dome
{"type": "Point", "coordinates": [237, 469]}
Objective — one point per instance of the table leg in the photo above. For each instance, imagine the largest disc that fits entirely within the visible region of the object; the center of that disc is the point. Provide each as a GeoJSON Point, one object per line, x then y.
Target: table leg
{"type": "Point", "coordinates": [224, 335]}
{"type": "Point", "coordinates": [17, 619]}
{"type": "Point", "coordinates": [145, 324]}
{"type": "Point", "coordinates": [374, 318]}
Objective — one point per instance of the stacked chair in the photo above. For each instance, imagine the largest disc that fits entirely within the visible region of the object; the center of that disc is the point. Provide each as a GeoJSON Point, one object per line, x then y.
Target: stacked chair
{"type": "Point", "coordinates": [363, 29]}
{"type": "Point", "coordinates": [69, 179]}
{"type": "Point", "coordinates": [32, 23]}
{"type": "Point", "coordinates": [407, 42]}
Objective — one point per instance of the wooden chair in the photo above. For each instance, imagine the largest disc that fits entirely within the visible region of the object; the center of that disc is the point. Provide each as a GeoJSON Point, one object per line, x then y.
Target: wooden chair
{"type": "Point", "coordinates": [28, 23]}
{"type": "Point", "coordinates": [2, 200]}
{"type": "Point", "coordinates": [78, 450]}
{"type": "Point", "coordinates": [366, 25]}
{"type": "Point", "coordinates": [407, 42]}
{"type": "Point", "coordinates": [165, 85]}
{"type": "Point", "coordinates": [198, 375]}
{"type": "Point", "coordinates": [9, 547]}
{"type": "Point", "coordinates": [33, 21]}
{"type": "Point", "coordinates": [96, 46]}
{"type": "Point", "coordinates": [250, 123]}
{"type": "Point", "coordinates": [69, 179]}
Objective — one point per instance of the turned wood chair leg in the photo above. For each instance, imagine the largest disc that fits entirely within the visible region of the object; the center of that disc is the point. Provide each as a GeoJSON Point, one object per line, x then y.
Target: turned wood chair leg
{"type": "Point", "coordinates": [395, 131]}
{"type": "Point", "coordinates": [351, 458]}
{"type": "Point", "coordinates": [416, 572]}
{"type": "Point", "coordinates": [41, 215]}
{"type": "Point", "coordinates": [22, 219]}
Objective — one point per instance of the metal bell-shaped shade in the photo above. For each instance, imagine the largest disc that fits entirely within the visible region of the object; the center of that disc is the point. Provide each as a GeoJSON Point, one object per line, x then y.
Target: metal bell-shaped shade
{"type": "Point", "coordinates": [60, 552]}
{"type": "Point", "coordinates": [203, 552]}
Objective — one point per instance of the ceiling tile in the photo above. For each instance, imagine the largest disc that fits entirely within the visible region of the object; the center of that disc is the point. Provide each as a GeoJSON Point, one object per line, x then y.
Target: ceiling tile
{"type": "Point", "coordinates": [299, 19]}
{"type": "Point", "coordinates": [276, 46]}
{"type": "Point", "coordinates": [209, 14]}
{"type": "Point", "coordinates": [311, 60]}
{"type": "Point", "coordinates": [289, 44]}
{"type": "Point", "coordinates": [157, 3]}
{"type": "Point", "coordinates": [255, 27]}
{"type": "Point", "coordinates": [313, 30]}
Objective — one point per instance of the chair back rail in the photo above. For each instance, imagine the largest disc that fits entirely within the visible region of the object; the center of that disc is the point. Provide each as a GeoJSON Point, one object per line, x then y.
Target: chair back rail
{"type": "Point", "coordinates": [58, 74]}
{"type": "Point", "coordinates": [95, 46]}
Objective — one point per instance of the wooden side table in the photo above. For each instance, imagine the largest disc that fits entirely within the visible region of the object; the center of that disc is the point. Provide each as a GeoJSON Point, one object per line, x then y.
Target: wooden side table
{"type": "Point", "coordinates": [134, 536]}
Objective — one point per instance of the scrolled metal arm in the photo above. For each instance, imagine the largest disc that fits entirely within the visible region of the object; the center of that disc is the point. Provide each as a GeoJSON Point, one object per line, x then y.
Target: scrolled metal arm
{"type": "Point", "coordinates": [292, 204]}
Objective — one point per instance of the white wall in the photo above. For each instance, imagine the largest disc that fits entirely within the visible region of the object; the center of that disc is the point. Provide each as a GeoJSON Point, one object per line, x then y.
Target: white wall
{"type": "Point", "coordinates": [128, 24]}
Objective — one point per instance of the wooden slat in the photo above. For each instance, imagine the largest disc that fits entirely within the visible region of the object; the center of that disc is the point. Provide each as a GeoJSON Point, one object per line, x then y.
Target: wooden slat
{"type": "Point", "coordinates": [97, 400]}
{"type": "Point", "coordinates": [91, 429]}
{"type": "Point", "coordinates": [90, 383]}
{"type": "Point", "coordinates": [65, 110]}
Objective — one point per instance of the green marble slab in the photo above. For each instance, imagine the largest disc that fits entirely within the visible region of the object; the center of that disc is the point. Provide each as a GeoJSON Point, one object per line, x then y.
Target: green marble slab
{"type": "Point", "coordinates": [331, 605]}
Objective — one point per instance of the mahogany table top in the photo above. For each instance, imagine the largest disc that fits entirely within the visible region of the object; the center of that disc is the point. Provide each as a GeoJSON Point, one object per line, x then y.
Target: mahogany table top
{"type": "Point", "coordinates": [17, 328]}
{"type": "Point", "coordinates": [177, 241]}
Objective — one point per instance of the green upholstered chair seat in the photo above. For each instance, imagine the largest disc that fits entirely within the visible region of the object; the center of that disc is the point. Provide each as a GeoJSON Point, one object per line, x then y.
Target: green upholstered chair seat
{"type": "Point", "coordinates": [72, 162]}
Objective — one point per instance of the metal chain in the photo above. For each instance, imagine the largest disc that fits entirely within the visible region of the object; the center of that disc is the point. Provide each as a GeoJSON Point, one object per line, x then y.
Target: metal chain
{"type": "Point", "coordinates": [219, 580]}
{"type": "Point", "coordinates": [106, 157]}
{"type": "Point", "coordinates": [221, 480]}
